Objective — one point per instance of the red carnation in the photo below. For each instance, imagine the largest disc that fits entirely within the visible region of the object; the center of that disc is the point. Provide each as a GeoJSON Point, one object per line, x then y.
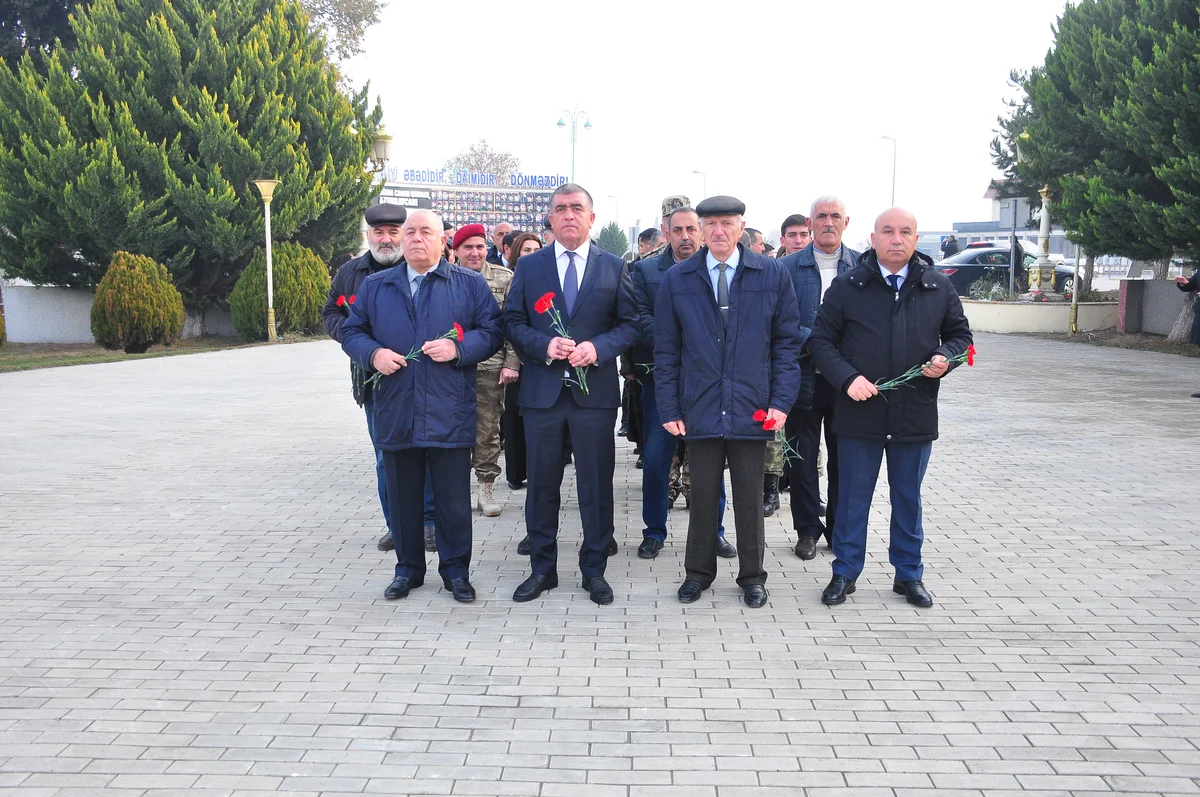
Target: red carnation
{"type": "Point", "coordinates": [545, 303]}
{"type": "Point", "coordinates": [350, 300]}
{"type": "Point", "coordinates": [760, 416]}
{"type": "Point", "coordinates": [971, 354]}
{"type": "Point", "coordinates": [341, 300]}
{"type": "Point", "coordinates": [769, 424]}
{"type": "Point", "coordinates": [458, 330]}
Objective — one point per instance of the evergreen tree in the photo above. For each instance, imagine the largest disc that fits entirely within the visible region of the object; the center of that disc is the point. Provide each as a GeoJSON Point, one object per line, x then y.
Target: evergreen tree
{"type": "Point", "coordinates": [145, 135]}
{"type": "Point", "coordinates": [612, 240]}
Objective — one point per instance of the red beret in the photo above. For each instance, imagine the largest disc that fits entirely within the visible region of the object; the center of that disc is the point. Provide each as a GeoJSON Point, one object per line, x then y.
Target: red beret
{"type": "Point", "coordinates": [468, 231]}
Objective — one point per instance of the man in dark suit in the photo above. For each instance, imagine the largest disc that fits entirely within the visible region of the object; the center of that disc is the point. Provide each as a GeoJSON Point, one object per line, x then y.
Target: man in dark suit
{"type": "Point", "coordinates": [727, 347]}
{"type": "Point", "coordinates": [893, 312]}
{"type": "Point", "coordinates": [592, 291]}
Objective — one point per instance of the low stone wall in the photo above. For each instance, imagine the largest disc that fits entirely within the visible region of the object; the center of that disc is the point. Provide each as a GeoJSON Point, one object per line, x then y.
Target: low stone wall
{"type": "Point", "coordinates": [64, 315]}
{"type": "Point", "coordinates": [1150, 305]}
{"type": "Point", "coordinates": [1038, 316]}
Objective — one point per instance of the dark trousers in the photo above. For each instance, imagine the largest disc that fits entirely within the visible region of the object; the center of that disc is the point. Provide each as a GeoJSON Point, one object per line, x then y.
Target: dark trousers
{"type": "Point", "coordinates": [512, 427]}
{"type": "Point", "coordinates": [635, 430]}
{"type": "Point", "coordinates": [804, 426]}
{"type": "Point", "coordinates": [858, 461]}
{"type": "Point", "coordinates": [450, 471]}
{"type": "Point", "coordinates": [380, 478]}
{"type": "Point", "coordinates": [658, 449]}
{"type": "Point", "coordinates": [747, 463]}
{"type": "Point", "coordinates": [591, 435]}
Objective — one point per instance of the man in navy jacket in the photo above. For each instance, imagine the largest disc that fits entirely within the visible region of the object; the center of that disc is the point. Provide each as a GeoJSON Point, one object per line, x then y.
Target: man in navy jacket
{"type": "Point", "coordinates": [727, 369]}
{"type": "Point", "coordinates": [813, 269]}
{"type": "Point", "coordinates": [423, 328]}
{"type": "Point", "coordinates": [591, 290]}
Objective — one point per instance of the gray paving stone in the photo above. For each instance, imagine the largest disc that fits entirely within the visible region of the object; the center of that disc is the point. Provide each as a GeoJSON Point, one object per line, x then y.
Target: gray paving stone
{"type": "Point", "coordinates": [192, 604]}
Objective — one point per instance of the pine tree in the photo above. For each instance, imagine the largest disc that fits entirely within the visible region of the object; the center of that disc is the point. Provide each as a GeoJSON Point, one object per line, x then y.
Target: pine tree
{"type": "Point", "coordinates": [144, 137]}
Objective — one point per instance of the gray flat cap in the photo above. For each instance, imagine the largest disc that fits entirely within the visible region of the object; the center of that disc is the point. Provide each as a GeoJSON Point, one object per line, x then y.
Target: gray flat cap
{"type": "Point", "coordinates": [721, 206]}
{"type": "Point", "coordinates": [383, 213]}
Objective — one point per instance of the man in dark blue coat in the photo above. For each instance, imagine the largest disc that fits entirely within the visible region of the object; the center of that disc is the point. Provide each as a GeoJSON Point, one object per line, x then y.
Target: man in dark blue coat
{"type": "Point", "coordinates": [727, 369]}
{"type": "Point", "coordinates": [569, 385]}
{"type": "Point", "coordinates": [682, 226]}
{"type": "Point", "coordinates": [384, 250]}
{"type": "Point", "coordinates": [813, 269]}
{"type": "Point", "coordinates": [423, 328]}
{"type": "Point", "coordinates": [893, 312]}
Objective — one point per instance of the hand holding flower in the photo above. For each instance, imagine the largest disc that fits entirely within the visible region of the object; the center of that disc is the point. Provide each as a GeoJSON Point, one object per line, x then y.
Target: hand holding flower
{"type": "Point", "coordinates": [936, 367]}
{"type": "Point", "coordinates": [560, 348]}
{"type": "Point", "coordinates": [440, 351]}
{"type": "Point", "coordinates": [388, 362]}
{"type": "Point", "coordinates": [583, 355]}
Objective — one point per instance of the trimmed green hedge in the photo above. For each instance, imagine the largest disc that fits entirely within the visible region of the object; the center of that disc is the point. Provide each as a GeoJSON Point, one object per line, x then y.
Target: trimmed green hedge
{"type": "Point", "coordinates": [136, 305]}
{"type": "Point", "coordinates": [301, 285]}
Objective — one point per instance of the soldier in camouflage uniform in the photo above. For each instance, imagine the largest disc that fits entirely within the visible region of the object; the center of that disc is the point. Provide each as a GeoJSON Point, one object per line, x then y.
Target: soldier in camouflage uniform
{"type": "Point", "coordinates": [491, 376]}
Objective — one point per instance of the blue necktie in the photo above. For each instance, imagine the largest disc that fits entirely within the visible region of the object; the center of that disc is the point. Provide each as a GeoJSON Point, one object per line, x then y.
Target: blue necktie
{"type": "Point", "coordinates": [894, 281]}
{"type": "Point", "coordinates": [570, 283]}
{"type": "Point", "coordinates": [417, 280]}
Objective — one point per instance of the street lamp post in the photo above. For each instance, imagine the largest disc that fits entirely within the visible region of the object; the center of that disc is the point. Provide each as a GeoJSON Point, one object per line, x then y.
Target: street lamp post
{"type": "Point", "coordinates": [1043, 270]}
{"type": "Point", "coordinates": [381, 153]}
{"type": "Point", "coordinates": [616, 208]}
{"type": "Point", "coordinates": [889, 138]}
{"type": "Point", "coordinates": [574, 114]}
{"type": "Point", "coordinates": [267, 189]}
{"type": "Point", "coordinates": [703, 182]}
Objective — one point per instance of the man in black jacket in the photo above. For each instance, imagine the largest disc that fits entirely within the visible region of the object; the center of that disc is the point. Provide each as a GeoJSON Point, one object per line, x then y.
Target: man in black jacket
{"type": "Point", "coordinates": [894, 311]}
{"type": "Point", "coordinates": [384, 251]}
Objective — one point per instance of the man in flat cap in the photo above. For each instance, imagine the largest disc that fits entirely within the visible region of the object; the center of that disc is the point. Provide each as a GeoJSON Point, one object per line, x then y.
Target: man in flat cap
{"type": "Point", "coordinates": [659, 446]}
{"type": "Point", "coordinates": [423, 328]}
{"type": "Point", "coordinates": [727, 347]}
{"type": "Point", "coordinates": [569, 385]}
{"type": "Point", "coordinates": [491, 376]}
{"type": "Point", "coordinates": [383, 251]}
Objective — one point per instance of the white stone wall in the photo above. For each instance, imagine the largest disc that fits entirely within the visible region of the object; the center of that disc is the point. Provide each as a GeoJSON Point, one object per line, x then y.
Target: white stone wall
{"type": "Point", "coordinates": [47, 315]}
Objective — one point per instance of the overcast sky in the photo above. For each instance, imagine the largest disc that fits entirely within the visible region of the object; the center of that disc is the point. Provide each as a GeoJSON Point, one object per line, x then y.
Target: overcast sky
{"type": "Point", "coordinates": [778, 102]}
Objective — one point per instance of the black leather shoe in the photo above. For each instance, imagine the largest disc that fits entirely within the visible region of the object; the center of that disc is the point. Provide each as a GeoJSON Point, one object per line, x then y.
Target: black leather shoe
{"type": "Point", "coordinates": [516, 485]}
{"type": "Point", "coordinates": [598, 590]}
{"type": "Point", "coordinates": [806, 548]}
{"type": "Point", "coordinates": [385, 542]}
{"type": "Point", "coordinates": [621, 431]}
{"type": "Point", "coordinates": [461, 589]}
{"type": "Point", "coordinates": [689, 591]}
{"type": "Point", "coordinates": [400, 587]}
{"type": "Point", "coordinates": [1196, 395]}
{"type": "Point", "coordinates": [524, 547]}
{"type": "Point", "coordinates": [535, 585]}
{"type": "Point", "coordinates": [822, 510]}
{"type": "Point", "coordinates": [914, 592]}
{"type": "Point", "coordinates": [641, 463]}
{"type": "Point", "coordinates": [756, 596]}
{"type": "Point", "coordinates": [770, 495]}
{"type": "Point", "coordinates": [611, 548]}
{"type": "Point", "coordinates": [649, 548]}
{"type": "Point", "coordinates": [839, 587]}
{"type": "Point", "coordinates": [725, 550]}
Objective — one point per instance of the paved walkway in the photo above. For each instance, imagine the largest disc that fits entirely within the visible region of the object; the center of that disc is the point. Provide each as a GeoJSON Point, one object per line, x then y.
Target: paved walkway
{"type": "Point", "coordinates": [191, 603]}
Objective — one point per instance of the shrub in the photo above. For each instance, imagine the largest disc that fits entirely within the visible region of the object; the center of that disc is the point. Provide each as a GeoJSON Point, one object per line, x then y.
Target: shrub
{"type": "Point", "coordinates": [301, 285]}
{"type": "Point", "coordinates": [136, 305]}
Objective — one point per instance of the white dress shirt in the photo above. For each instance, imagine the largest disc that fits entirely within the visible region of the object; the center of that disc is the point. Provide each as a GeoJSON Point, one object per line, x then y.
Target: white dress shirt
{"type": "Point", "coordinates": [902, 273]}
{"type": "Point", "coordinates": [560, 258]}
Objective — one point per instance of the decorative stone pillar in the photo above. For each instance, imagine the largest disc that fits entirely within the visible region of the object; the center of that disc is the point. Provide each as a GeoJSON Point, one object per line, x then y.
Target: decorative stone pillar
{"type": "Point", "coordinates": [1041, 273]}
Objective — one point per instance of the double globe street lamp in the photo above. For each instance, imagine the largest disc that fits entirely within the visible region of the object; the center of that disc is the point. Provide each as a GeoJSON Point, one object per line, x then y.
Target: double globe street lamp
{"type": "Point", "coordinates": [574, 115]}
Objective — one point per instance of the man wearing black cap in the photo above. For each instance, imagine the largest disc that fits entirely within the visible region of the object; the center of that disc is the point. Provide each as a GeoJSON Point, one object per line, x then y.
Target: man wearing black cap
{"type": "Point", "coordinates": [727, 369]}
{"type": "Point", "coordinates": [383, 251]}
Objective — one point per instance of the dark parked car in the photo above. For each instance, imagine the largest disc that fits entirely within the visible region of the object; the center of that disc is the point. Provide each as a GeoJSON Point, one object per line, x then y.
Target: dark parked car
{"type": "Point", "coordinates": [974, 271]}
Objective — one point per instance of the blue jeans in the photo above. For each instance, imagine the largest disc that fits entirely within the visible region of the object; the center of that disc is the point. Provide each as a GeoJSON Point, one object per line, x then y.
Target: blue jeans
{"type": "Point", "coordinates": [858, 470]}
{"type": "Point", "coordinates": [380, 478]}
{"type": "Point", "coordinates": [658, 449]}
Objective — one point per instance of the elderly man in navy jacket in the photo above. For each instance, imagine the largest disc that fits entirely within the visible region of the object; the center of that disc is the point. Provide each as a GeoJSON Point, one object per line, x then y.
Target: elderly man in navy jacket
{"type": "Point", "coordinates": [727, 369]}
{"type": "Point", "coordinates": [422, 329]}
{"type": "Point", "coordinates": [893, 312]}
{"type": "Point", "coordinates": [813, 269]}
{"type": "Point", "coordinates": [591, 290]}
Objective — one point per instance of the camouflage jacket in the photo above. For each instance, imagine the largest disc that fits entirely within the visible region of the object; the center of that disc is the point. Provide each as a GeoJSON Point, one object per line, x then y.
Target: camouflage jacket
{"type": "Point", "coordinates": [499, 279]}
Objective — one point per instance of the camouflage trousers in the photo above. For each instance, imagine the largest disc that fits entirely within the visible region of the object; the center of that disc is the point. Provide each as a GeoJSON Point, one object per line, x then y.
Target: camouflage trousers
{"type": "Point", "coordinates": [680, 481]}
{"type": "Point", "coordinates": [775, 457]}
{"type": "Point", "coordinates": [485, 457]}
